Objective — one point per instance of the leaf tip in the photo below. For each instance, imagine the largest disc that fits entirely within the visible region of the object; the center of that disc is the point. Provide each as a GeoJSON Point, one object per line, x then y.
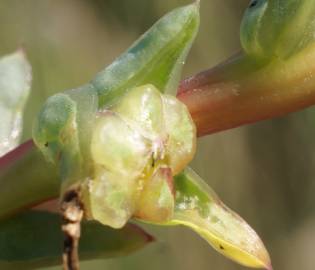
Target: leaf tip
{"type": "Point", "coordinates": [21, 50]}
{"type": "Point", "coordinates": [269, 266]}
{"type": "Point", "coordinates": [20, 56]}
{"type": "Point", "coordinates": [149, 238]}
{"type": "Point", "coordinates": [197, 3]}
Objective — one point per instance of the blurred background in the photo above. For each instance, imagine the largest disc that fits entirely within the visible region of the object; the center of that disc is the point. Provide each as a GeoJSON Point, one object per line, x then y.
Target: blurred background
{"type": "Point", "coordinates": [265, 172]}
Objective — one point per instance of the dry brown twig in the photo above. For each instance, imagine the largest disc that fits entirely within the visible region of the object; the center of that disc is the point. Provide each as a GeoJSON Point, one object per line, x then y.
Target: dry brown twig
{"type": "Point", "coordinates": [72, 214]}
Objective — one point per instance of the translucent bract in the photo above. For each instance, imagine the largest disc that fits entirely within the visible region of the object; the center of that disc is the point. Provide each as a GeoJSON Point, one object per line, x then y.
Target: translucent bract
{"type": "Point", "coordinates": [137, 146]}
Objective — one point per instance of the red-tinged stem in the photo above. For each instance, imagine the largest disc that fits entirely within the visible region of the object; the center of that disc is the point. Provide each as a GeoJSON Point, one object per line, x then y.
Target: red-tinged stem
{"type": "Point", "coordinates": [240, 91]}
{"type": "Point", "coordinates": [26, 179]}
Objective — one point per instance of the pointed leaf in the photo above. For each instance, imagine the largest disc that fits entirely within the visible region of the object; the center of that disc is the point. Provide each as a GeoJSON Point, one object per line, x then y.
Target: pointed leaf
{"type": "Point", "coordinates": [15, 80]}
{"type": "Point", "coordinates": [34, 239]}
{"type": "Point", "coordinates": [198, 207]}
{"type": "Point", "coordinates": [156, 58]}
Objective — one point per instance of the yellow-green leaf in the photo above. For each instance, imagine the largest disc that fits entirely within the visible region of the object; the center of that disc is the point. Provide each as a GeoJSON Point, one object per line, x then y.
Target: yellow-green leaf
{"type": "Point", "coordinates": [198, 207]}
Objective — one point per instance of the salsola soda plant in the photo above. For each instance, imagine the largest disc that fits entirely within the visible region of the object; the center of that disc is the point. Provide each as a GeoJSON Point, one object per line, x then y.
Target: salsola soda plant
{"type": "Point", "coordinates": [118, 147]}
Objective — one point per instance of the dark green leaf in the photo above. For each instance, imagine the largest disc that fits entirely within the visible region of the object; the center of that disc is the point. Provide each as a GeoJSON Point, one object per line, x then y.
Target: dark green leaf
{"type": "Point", "coordinates": [34, 239]}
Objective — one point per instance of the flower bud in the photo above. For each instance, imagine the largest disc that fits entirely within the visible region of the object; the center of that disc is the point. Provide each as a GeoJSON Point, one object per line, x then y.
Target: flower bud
{"type": "Point", "coordinates": [137, 147]}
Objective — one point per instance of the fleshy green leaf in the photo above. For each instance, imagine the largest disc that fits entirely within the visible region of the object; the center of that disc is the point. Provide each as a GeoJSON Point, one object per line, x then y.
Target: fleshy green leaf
{"type": "Point", "coordinates": [156, 58]}
{"type": "Point", "coordinates": [198, 207]}
{"type": "Point", "coordinates": [34, 239]}
{"type": "Point", "coordinates": [15, 80]}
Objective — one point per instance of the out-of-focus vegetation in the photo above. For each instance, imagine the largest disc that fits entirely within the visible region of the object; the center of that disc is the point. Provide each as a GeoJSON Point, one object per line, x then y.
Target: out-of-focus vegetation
{"type": "Point", "coordinates": [265, 171]}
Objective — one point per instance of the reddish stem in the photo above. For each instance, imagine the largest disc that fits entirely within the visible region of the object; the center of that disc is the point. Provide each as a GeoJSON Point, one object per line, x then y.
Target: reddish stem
{"type": "Point", "coordinates": [240, 92]}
